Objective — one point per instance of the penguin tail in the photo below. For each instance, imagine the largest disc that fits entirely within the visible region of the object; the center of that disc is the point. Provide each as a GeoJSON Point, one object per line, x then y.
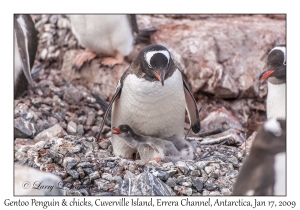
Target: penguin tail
{"type": "Point", "coordinates": [144, 35]}
{"type": "Point", "coordinates": [103, 104]}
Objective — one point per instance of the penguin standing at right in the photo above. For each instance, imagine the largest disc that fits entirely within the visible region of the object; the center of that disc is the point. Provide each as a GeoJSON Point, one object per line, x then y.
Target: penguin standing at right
{"type": "Point", "coordinates": [26, 42]}
{"type": "Point", "coordinates": [276, 75]}
{"type": "Point", "coordinates": [264, 170]}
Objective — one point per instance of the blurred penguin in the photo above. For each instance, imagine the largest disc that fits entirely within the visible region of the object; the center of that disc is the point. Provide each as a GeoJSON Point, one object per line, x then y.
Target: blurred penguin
{"type": "Point", "coordinates": [25, 41]}
{"type": "Point", "coordinates": [264, 170]}
{"type": "Point", "coordinates": [106, 35]}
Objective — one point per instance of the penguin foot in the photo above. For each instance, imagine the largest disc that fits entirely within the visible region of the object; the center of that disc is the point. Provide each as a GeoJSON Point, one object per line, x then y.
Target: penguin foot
{"type": "Point", "coordinates": [112, 61]}
{"type": "Point", "coordinates": [157, 159]}
{"type": "Point", "coordinates": [83, 57]}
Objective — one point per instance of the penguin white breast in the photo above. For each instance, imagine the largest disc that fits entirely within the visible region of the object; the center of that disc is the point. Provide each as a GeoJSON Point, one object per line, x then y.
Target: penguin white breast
{"type": "Point", "coordinates": [279, 169]}
{"type": "Point", "coordinates": [150, 108]}
{"type": "Point", "coordinates": [103, 34]}
{"type": "Point", "coordinates": [276, 101]}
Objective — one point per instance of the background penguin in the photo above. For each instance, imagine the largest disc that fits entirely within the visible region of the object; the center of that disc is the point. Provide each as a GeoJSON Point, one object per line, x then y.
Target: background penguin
{"type": "Point", "coordinates": [151, 97]}
{"type": "Point", "coordinates": [264, 170]}
{"type": "Point", "coordinates": [276, 75]}
{"type": "Point", "coordinates": [151, 148]}
{"type": "Point", "coordinates": [108, 35]}
{"type": "Point", "coordinates": [25, 42]}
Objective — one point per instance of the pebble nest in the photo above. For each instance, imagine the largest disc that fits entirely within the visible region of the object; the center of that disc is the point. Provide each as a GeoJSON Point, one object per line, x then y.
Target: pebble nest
{"type": "Point", "coordinates": [55, 128]}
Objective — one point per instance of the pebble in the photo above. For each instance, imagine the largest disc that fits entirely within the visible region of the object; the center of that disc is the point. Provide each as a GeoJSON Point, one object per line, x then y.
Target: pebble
{"type": "Point", "coordinates": [198, 183]}
{"type": "Point", "coordinates": [94, 175]}
{"type": "Point", "coordinates": [23, 128]}
{"type": "Point", "coordinates": [90, 118]}
{"type": "Point", "coordinates": [105, 144]}
{"type": "Point", "coordinates": [171, 182]}
{"type": "Point", "coordinates": [72, 127]}
{"type": "Point", "coordinates": [182, 166]}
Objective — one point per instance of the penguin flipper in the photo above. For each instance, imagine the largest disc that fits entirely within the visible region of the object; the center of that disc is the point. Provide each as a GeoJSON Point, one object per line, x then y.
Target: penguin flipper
{"type": "Point", "coordinates": [117, 93]}
{"type": "Point", "coordinates": [26, 36]}
{"type": "Point", "coordinates": [192, 109]}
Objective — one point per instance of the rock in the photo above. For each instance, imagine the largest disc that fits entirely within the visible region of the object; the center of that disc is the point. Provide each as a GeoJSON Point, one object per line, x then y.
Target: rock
{"type": "Point", "coordinates": [208, 169]}
{"type": "Point", "coordinates": [234, 161]}
{"type": "Point", "coordinates": [232, 174]}
{"type": "Point", "coordinates": [220, 120]}
{"type": "Point", "coordinates": [200, 164]}
{"type": "Point", "coordinates": [214, 193]}
{"type": "Point", "coordinates": [105, 144]}
{"type": "Point", "coordinates": [94, 175]}
{"type": "Point", "coordinates": [72, 96]}
{"type": "Point", "coordinates": [52, 121]}
{"type": "Point", "coordinates": [231, 137]}
{"type": "Point", "coordinates": [211, 186]}
{"type": "Point", "coordinates": [23, 128]}
{"type": "Point", "coordinates": [182, 166]}
{"type": "Point", "coordinates": [145, 184]}
{"type": "Point", "coordinates": [168, 165]}
{"type": "Point", "coordinates": [162, 175]}
{"type": "Point", "coordinates": [72, 127]}
{"type": "Point", "coordinates": [171, 172]}
{"type": "Point", "coordinates": [80, 130]}
{"type": "Point", "coordinates": [183, 190]}
{"type": "Point", "coordinates": [48, 134]}
{"type": "Point", "coordinates": [225, 191]}
{"type": "Point", "coordinates": [195, 173]}
{"type": "Point", "coordinates": [170, 182]}
{"type": "Point", "coordinates": [198, 183]}
{"type": "Point", "coordinates": [90, 119]}
{"type": "Point", "coordinates": [102, 184]}
{"type": "Point", "coordinates": [106, 176]}
{"type": "Point", "coordinates": [26, 179]}
{"type": "Point", "coordinates": [205, 49]}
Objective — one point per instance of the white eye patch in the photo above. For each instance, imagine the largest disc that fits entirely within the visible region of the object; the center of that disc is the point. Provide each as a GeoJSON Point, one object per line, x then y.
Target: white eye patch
{"type": "Point", "coordinates": [281, 48]}
{"type": "Point", "coordinates": [149, 55]}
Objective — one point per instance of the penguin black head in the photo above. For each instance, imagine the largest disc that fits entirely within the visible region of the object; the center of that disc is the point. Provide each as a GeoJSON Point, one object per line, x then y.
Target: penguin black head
{"type": "Point", "coordinates": [155, 62]}
{"type": "Point", "coordinates": [124, 130]}
{"type": "Point", "coordinates": [276, 64]}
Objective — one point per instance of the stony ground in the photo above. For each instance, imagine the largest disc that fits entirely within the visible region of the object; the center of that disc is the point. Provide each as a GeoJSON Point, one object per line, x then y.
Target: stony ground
{"type": "Point", "coordinates": [56, 124]}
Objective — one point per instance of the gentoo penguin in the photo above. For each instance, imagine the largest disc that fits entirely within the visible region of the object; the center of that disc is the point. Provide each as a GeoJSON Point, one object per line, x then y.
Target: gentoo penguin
{"type": "Point", "coordinates": [183, 146]}
{"type": "Point", "coordinates": [151, 148]}
{"type": "Point", "coordinates": [276, 75]}
{"type": "Point", "coordinates": [264, 170]}
{"type": "Point", "coordinates": [108, 35]}
{"type": "Point", "coordinates": [25, 42]}
{"type": "Point", "coordinates": [151, 98]}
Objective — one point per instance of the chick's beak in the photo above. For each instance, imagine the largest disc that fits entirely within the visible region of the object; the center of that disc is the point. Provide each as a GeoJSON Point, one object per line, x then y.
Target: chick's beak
{"type": "Point", "coordinates": [116, 130]}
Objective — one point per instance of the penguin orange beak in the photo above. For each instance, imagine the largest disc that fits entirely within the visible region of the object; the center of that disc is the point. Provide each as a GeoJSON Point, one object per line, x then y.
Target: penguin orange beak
{"type": "Point", "coordinates": [266, 74]}
{"type": "Point", "coordinates": [160, 77]}
{"type": "Point", "coordinates": [116, 130]}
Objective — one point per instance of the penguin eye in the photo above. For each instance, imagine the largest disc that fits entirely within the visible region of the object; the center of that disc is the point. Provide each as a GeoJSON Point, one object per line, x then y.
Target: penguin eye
{"type": "Point", "coordinates": [284, 63]}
